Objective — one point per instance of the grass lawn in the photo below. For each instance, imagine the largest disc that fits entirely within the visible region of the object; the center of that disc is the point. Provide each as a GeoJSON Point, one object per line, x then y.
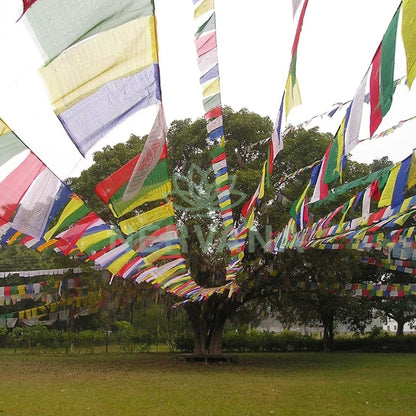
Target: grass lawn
{"type": "Point", "coordinates": [306, 384]}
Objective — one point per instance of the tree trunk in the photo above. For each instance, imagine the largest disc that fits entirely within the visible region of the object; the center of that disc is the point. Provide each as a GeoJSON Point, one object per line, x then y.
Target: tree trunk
{"type": "Point", "coordinates": [208, 319]}
{"type": "Point", "coordinates": [328, 324]}
{"type": "Point", "coordinates": [198, 325]}
{"type": "Point", "coordinates": [400, 328]}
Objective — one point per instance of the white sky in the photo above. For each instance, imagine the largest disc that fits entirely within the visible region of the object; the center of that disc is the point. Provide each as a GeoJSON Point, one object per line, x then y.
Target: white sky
{"type": "Point", "coordinates": [254, 39]}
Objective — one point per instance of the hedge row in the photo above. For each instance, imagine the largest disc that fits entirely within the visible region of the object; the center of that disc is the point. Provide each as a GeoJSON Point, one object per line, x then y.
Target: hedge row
{"type": "Point", "coordinates": [41, 337]}
{"type": "Point", "coordinates": [256, 341]}
{"type": "Point", "coordinates": [134, 340]}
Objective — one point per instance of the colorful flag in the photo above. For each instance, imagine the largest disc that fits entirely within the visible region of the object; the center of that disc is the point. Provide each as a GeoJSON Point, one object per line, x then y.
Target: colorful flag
{"type": "Point", "coordinates": [15, 185]}
{"type": "Point", "coordinates": [68, 239]}
{"type": "Point", "coordinates": [134, 224]}
{"type": "Point", "coordinates": [74, 210]}
{"type": "Point", "coordinates": [382, 75]}
{"type": "Point", "coordinates": [334, 163]}
{"type": "Point", "coordinates": [156, 186]}
{"type": "Point", "coordinates": [150, 156]}
{"type": "Point", "coordinates": [321, 188]}
{"type": "Point", "coordinates": [35, 207]}
{"type": "Point", "coordinates": [355, 110]}
{"type": "Point", "coordinates": [10, 144]}
{"type": "Point", "coordinates": [409, 38]}
{"type": "Point", "coordinates": [96, 83]}
{"type": "Point", "coordinates": [204, 7]}
{"type": "Point", "coordinates": [393, 192]}
{"type": "Point", "coordinates": [276, 143]}
{"type": "Point", "coordinates": [58, 26]}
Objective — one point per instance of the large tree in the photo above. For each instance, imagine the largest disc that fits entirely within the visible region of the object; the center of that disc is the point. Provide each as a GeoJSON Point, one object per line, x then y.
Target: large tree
{"type": "Point", "coordinates": [202, 237]}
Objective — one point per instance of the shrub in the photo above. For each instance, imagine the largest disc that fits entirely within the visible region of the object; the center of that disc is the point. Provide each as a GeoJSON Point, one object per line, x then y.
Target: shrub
{"type": "Point", "coordinates": [183, 341]}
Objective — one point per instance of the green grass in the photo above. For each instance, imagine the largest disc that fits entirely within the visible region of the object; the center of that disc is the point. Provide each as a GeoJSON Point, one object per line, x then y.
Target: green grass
{"type": "Point", "coordinates": [306, 384]}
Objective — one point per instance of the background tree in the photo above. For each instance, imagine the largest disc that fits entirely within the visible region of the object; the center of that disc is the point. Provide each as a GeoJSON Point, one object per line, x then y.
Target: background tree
{"type": "Point", "coordinates": [400, 309]}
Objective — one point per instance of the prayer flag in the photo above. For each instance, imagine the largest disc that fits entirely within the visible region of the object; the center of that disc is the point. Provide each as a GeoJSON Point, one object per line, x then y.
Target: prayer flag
{"type": "Point", "coordinates": [73, 211]}
{"type": "Point", "coordinates": [156, 214]}
{"type": "Point", "coordinates": [68, 239]}
{"type": "Point", "coordinates": [393, 193]}
{"type": "Point", "coordinates": [276, 143]}
{"type": "Point", "coordinates": [206, 43]}
{"type": "Point", "coordinates": [151, 153]}
{"type": "Point", "coordinates": [57, 26]}
{"type": "Point", "coordinates": [382, 75]}
{"type": "Point", "coordinates": [33, 213]}
{"type": "Point", "coordinates": [10, 144]}
{"type": "Point", "coordinates": [204, 7]}
{"type": "Point", "coordinates": [321, 188]}
{"type": "Point", "coordinates": [295, 6]}
{"type": "Point", "coordinates": [334, 164]}
{"type": "Point", "coordinates": [292, 93]}
{"type": "Point", "coordinates": [411, 180]}
{"type": "Point", "coordinates": [98, 82]}
{"type": "Point", "coordinates": [15, 185]}
{"type": "Point", "coordinates": [352, 130]}
{"type": "Point", "coordinates": [409, 38]}
{"type": "Point", "coordinates": [208, 26]}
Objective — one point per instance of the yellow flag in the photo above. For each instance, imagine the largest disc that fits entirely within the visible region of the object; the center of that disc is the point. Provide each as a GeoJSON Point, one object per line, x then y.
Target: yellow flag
{"type": "Point", "coordinates": [133, 224]}
{"type": "Point", "coordinates": [120, 262]}
{"type": "Point", "coordinates": [211, 88]}
{"type": "Point", "coordinates": [387, 195]}
{"type": "Point", "coordinates": [152, 257]}
{"type": "Point", "coordinates": [263, 179]}
{"type": "Point", "coordinates": [409, 38]}
{"type": "Point", "coordinates": [411, 179]}
{"type": "Point", "coordinates": [204, 7]}
{"type": "Point", "coordinates": [292, 95]}
{"type": "Point", "coordinates": [123, 51]}
{"type": "Point", "coordinates": [84, 242]}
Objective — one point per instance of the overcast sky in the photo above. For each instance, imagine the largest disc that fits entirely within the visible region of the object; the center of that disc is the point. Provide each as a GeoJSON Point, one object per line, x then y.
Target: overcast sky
{"type": "Point", "coordinates": [337, 43]}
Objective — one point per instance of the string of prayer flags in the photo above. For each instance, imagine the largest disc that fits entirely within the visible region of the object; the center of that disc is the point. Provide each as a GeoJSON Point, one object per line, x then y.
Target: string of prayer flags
{"type": "Point", "coordinates": [219, 166]}
{"type": "Point", "coordinates": [292, 93]}
{"type": "Point", "coordinates": [381, 77]}
{"type": "Point", "coordinates": [100, 68]}
{"type": "Point", "coordinates": [369, 290]}
{"type": "Point", "coordinates": [388, 131]}
{"type": "Point", "coordinates": [380, 175]}
{"type": "Point", "coordinates": [323, 232]}
{"type": "Point", "coordinates": [409, 38]}
{"type": "Point", "coordinates": [78, 230]}
{"type": "Point", "coordinates": [206, 48]}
